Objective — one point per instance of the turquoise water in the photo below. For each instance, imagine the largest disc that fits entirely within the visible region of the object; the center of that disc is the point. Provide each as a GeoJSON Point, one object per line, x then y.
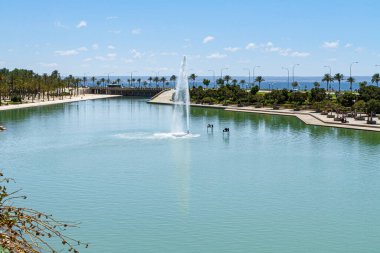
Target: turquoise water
{"type": "Point", "coordinates": [273, 185]}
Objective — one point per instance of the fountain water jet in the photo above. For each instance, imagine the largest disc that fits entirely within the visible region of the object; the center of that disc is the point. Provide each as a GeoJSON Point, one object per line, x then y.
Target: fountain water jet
{"type": "Point", "coordinates": [181, 98]}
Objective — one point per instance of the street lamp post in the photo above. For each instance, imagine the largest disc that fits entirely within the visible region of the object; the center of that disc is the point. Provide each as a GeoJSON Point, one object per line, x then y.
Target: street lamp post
{"type": "Point", "coordinates": [213, 74]}
{"type": "Point", "coordinates": [352, 63]}
{"type": "Point", "coordinates": [221, 72]}
{"type": "Point", "coordinates": [287, 69]}
{"type": "Point", "coordinates": [249, 76]}
{"type": "Point", "coordinates": [329, 67]}
{"type": "Point", "coordinates": [131, 76]}
{"type": "Point", "coordinates": [294, 66]}
{"type": "Point", "coordinates": [253, 73]}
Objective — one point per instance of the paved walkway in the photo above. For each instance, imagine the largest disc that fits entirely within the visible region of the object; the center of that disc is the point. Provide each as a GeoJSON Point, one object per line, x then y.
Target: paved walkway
{"type": "Point", "coordinates": [307, 116]}
{"type": "Point", "coordinates": [56, 101]}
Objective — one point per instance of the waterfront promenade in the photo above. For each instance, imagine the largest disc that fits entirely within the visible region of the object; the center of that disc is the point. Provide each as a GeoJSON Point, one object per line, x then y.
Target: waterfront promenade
{"type": "Point", "coordinates": [56, 101]}
{"type": "Point", "coordinates": [309, 117]}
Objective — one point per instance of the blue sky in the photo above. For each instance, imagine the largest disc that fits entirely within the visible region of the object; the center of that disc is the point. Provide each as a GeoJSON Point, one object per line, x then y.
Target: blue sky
{"type": "Point", "coordinates": [117, 37]}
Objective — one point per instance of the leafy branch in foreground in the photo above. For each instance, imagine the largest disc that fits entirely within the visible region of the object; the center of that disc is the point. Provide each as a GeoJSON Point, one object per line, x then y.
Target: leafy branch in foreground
{"type": "Point", "coordinates": [27, 230]}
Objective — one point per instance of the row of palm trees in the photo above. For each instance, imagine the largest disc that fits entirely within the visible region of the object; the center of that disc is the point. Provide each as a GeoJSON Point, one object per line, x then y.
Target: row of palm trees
{"type": "Point", "coordinates": [21, 84]}
{"type": "Point", "coordinates": [340, 77]}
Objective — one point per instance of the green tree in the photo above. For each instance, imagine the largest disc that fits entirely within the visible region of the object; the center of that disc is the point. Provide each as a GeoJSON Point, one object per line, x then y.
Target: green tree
{"type": "Point", "coordinates": [193, 77]}
{"type": "Point", "coordinates": [206, 82]}
{"type": "Point", "coordinates": [338, 77]}
{"type": "Point", "coordinates": [328, 79]}
{"type": "Point", "coordinates": [173, 79]}
{"type": "Point", "coordinates": [376, 79]}
{"type": "Point", "coordinates": [259, 79]}
{"type": "Point", "coordinates": [227, 78]}
{"type": "Point", "coordinates": [351, 80]}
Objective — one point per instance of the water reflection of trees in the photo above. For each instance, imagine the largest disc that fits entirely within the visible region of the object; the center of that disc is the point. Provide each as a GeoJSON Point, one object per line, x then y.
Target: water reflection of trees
{"type": "Point", "coordinates": [279, 123]}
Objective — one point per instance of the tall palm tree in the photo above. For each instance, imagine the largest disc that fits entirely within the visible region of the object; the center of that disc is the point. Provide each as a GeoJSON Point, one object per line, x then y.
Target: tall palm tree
{"type": "Point", "coordinates": [259, 79]}
{"type": "Point", "coordinates": [193, 77]}
{"type": "Point", "coordinates": [118, 80]}
{"type": "Point", "coordinates": [156, 80]}
{"type": "Point", "coordinates": [84, 80]}
{"type": "Point", "coordinates": [173, 78]}
{"type": "Point", "coordinates": [328, 79]}
{"type": "Point", "coordinates": [227, 78]}
{"type": "Point", "coordinates": [150, 79]}
{"type": "Point", "coordinates": [234, 81]}
{"type": "Point", "coordinates": [163, 80]}
{"type": "Point", "coordinates": [376, 79]}
{"type": "Point", "coordinates": [338, 77]}
{"type": "Point", "coordinates": [242, 83]}
{"type": "Point", "coordinates": [351, 80]}
{"type": "Point", "coordinates": [317, 84]}
{"type": "Point", "coordinates": [103, 80]}
{"type": "Point", "coordinates": [93, 79]}
{"type": "Point", "coordinates": [139, 81]}
{"type": "Point", "coordinates": [206, 82]}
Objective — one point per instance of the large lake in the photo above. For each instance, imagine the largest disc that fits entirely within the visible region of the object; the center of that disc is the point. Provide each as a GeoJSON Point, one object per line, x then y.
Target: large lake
{"type": "Point", "coordinates": [274, 185]}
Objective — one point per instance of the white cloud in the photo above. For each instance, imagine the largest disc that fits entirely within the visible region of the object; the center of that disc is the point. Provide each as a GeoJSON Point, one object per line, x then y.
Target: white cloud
{"type": "Point", "coordinates": [111, 55]}
{"type": "Point", "coordinates": [208, 39]}
{"type": "Point", "coordinates": [250, 46]}
{"type": "Point", "coordinates": [348, 45]}
{"type": "Point", "coordinates": [299, 54]}
{"type": "Point", "coordinates": [331, 44]}
{"type": "Point", "coordinates": [359, 49]}
{"type": "Point", "coordinates": [216, 56]}
{"type": "Point", "coordinates": [82, 24]}
{"type": "Point", "coordinates": [111, 47]}
{"type": "Point", "coordinates": [135, 53]}
{"type": "Point", "coordinates": [136, 31]}
{"type": "Point", "coordinates": [49, 65]}
{"type": "Point", "coordinates": [95, 46]}
{"type": "Point", "coordinates": [71, 52]}
{"type": "Point", "coordinates": [232, 49]}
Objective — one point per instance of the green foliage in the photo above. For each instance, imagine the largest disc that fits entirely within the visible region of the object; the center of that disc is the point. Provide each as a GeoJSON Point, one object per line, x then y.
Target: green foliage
{"type": "Point", "coordinates": [369, 92]}
{"type": "Point", "coordinates": [297, 97]}
{"type": "Point", "coordinates": [347, 99]}
{"type": "Point", "coordinates": [373, 106]}
{"type": "Point", "coordinates": [317, 94]}
{"type": "Point", "coordinates": [277, 96]}
{"type": "Point", "coordinates": [16, 99]}
{"type": "Point", "coordinates": [254, 90]}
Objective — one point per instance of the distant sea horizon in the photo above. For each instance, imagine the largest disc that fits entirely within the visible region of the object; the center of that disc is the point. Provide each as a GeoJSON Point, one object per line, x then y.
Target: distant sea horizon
{"type": "Point", "coordinates": [271, 82]}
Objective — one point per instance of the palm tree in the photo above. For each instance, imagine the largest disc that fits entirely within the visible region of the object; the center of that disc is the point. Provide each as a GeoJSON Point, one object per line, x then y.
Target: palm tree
{"type": "Point", "coordinates": [150, 79]}
{"type": "Point", "coordinates": [362, 84]}
{"type": "Point", "coordinates": [351, 80]}
{"type": "Point", "coordinates": [338, 77]}
{"type": "Point", "coordinates": [193, 77]}
{"type": "Point", "coordinates": [103, 80]}
{"type": "Point", "coordinates": [156, 80]}
{"type": "Point", "coordinates": [163, 80]}
{"type": "Point", "coordinates": [93, 79]}
{"type": "Point", "coordinates": [259, 79]}
{"type": "Point", "coordinates": [317, 84]}
{"type": "Point", "coordinates": [173, 78]}
{"type": "Point", "coordinates": [327, 78]}
{"type": "Point", "coordinates": [227, 78]}
{"type": "Point", "coordinates": [242, 83]}
{"type": "Point", "coordinates": [234, 81]}
{"type": "Point", "coordinates": [84, 80]}
{"type": "Point", "coordinates": [206, 82]}
{"type": "Point", "coordinates": [118, 81]}
{"type": "Point", "coordinates": [376, 79]}
{"type": "Point", "coordinates": [139, 81]}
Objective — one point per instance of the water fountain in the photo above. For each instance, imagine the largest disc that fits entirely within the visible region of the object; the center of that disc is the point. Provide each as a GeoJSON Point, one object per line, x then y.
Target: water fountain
{"type": "Point", "coordinates": [181, 98]}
